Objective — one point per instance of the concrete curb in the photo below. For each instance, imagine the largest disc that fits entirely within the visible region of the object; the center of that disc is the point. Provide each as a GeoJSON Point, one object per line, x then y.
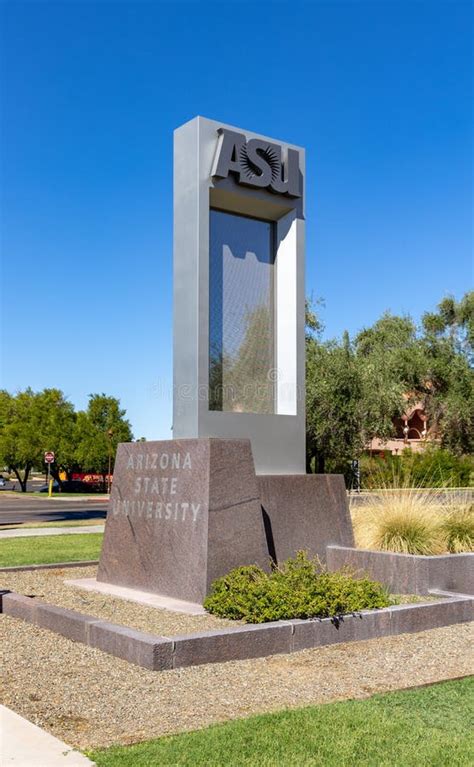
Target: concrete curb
{"type": "Point", "coordinates": [249, 641]}
{"type": "Point", "coordinates": [408, 573]}
{"type": "Point", "coordinates": [53, 566]}
{"type": "Point", "coordinates": [33, 532]}
{"type": "Point", "coordinates": [135, 595]}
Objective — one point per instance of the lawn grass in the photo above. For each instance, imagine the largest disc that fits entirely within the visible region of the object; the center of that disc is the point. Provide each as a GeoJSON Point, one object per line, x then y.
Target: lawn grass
{"type": "Point", "coordinates": [426, 726]}
{"type": "Point", "coordinates": [47, 549]}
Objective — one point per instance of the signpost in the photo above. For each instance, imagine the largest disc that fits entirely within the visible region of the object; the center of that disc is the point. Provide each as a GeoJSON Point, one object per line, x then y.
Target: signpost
{"type": "Point", "coordinates": [239, 298]}
{"type": "Point", "coordinates": [355, 481]}
{"type": "Point", "coordinates": [49, 459]}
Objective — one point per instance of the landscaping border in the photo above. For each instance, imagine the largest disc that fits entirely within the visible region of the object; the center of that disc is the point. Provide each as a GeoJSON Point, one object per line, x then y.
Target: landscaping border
{"type": "Point", "coordinates": [408, 573]}
{"type": "Point", "coordinates": [244, 641]}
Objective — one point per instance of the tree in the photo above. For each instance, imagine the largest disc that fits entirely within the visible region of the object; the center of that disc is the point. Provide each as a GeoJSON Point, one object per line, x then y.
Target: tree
{"type": "Point", "coordinates": [355, 390]}
{"type": "Point", "coordinates": [392, 367]}
{"type": "Point", "coordinates": [56, 428]}
{"type": "Point", "coordinates": [15, 447]}
{"type": "Point", "coordinates": [98, 431]}
{"type": "Point", "coordinates": [333, 405]}
{"type": "Point", "coordinates": [31, 423]}
{"type": "Point", "coordinates": [454, 321]}
{"type": "Point", "coordinates": [448, 393]}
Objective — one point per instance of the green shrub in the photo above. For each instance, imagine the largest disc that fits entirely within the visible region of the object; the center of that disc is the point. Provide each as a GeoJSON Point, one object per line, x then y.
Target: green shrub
{"type": "Point", "coordinates": [458, 528]}
{"type": "Point", "coordinates": [433, 467]}
{"type": "Point", "coordinates": [301, 588]}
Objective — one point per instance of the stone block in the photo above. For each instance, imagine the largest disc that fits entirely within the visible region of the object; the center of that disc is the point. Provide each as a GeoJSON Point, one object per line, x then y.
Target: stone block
{"type": "Point", "coordinates": [401, 573]}
{"type": "Point", "coordinates": [318, 632]}
{"type": "Point", "coordinates": [147, 650]}
{"type": "Point", "coordinates": [454, 572]}
{"type": "Point", "coordinates": [68, 623]}
{"type": "Point", "coordinates": [182, 513]}
{"type": "Point", "coordinates": [408, 573]}
{"type": "Point", "coordinates": [370, 624]}
{"type": "Point", "coordinates": [355, 627]}
{"type": "Point", "coordinates": [18, 606]}
{"type": "Point", "coordinates": [422, 617]}
{"type": "Point", "coordinates": [305, 511]}
{"type": "Point", "coordinates": [2, 594]}
{"type": "Point", "coordinates": [236, 534]}
{"type": "Point", "coordinates": [251, 641]}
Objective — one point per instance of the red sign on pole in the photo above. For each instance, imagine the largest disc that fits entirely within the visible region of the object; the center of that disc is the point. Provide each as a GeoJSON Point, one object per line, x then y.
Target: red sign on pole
{"type": "Point", "coordinates": [49, 457]}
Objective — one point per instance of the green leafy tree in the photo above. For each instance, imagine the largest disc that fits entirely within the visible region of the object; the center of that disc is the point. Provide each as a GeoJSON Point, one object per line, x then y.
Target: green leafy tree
{"type": "Point", "coordinates": [56, 427]}
{"type": "Point", "coordinates": [98, 431]}
{"type": "Point", "coordinates": [392, 367]}
{"type": "Point", "coordinates": [453, 321]}
{"type": "Point", "coordinates": [448, 393]}
{"type": "Point", "coordinates": [31, 423]}
{"type": "Point", "coordinates": [333, 404]}
{"type": "Point", "coordinates": [355, 390]}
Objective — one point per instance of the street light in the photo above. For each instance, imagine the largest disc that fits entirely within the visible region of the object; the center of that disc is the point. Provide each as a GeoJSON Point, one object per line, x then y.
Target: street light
{"type": "Point", "coordinates": [110, 435]}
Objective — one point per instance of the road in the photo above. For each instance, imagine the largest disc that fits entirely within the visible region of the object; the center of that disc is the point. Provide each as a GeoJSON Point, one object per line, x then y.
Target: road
{"type": "Point", "coordinates": [17, 509]}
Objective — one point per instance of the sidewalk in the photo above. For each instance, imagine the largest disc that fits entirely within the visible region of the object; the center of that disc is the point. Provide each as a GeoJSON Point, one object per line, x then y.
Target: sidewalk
{"type": "Point", "coordinates": [23, 744]}
{"type": "Point", "coordinates": [32, 532]}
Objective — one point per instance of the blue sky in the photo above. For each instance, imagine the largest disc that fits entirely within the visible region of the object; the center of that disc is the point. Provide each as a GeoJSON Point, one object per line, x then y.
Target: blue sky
{"type": "Point", "coordinates": [379, 93]}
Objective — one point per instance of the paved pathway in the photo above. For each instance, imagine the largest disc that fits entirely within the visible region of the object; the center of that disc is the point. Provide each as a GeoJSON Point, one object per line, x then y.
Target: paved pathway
{"type": "Point", "coordinates": [32, 532]}
{"type": "Point", "coordinates": [23, 744]}
{"type": "Point", "coordinates": [17, 507]}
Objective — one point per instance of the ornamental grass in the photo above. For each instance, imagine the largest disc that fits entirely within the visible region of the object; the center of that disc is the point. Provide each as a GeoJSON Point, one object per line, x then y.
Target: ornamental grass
{"type": "Point", "coordinates": [458, 527]}
{"type": "Point", "coordinates": [412, 520]}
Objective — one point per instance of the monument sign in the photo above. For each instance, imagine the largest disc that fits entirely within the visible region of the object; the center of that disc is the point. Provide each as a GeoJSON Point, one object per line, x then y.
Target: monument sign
{"type": "Point", "coordinates": [181, 514]}
{"type": "Point", "coordinates": [230, 489]}
{"type": "Point", "coordinates": [239, 299]}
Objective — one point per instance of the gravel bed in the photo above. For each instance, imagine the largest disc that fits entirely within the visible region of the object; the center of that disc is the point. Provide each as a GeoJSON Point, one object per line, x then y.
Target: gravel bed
{"type": "Point", "coordinates": [416, 599]}
{"type": "Point", "coordinates": [49, 585]}
{"type": "Point", "coordinates": [91, 699]}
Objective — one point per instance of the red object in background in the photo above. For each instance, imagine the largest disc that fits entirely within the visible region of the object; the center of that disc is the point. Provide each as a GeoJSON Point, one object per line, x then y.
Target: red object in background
{"type": "Point", "coordinates": [92, 478]}
{"type": "Point", "coordinates": [49, 456]}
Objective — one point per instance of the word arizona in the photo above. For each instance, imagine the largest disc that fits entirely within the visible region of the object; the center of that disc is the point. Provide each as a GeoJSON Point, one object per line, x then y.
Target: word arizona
{"type": "Point", "coordinates": [159, 461]}
{"type": "Point", "coordinates": [157, 510]}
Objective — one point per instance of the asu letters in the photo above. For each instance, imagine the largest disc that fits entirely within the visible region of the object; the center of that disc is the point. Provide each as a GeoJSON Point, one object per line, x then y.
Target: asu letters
{"type": "Point", "coordinates": [257, 163]}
